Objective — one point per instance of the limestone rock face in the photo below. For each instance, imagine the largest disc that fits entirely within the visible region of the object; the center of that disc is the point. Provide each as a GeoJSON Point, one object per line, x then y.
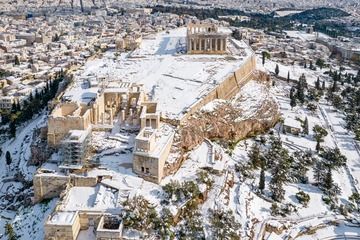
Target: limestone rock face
{"type": "Point", "coordinates": [252, 111]}
{"type": "Point", "coordinates": [230, 121]}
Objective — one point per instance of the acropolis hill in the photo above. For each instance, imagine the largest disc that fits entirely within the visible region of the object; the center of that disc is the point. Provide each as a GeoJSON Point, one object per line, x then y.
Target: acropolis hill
{"type": "Point", "coordinates": [180, 83]}
{"type": "Point", "coordinates": [152, 91]}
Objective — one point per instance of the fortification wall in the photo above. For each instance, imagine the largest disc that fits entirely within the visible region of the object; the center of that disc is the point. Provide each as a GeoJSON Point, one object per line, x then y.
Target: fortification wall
{"type": "Point", "coordinates": [225, 90]}
{"type": "Point", "coordinates": [47, 186]}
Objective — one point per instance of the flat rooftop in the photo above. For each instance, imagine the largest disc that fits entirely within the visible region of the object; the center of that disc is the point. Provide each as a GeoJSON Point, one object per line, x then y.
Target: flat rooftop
{"type": "Point", "coordinates": [172, 78]}
{"type": "Point", "coordinates": [98, 198]}
{"type": "Point", "coordinates": [62, 218]}
{"type": "Point", "coordinates": [163, 136]}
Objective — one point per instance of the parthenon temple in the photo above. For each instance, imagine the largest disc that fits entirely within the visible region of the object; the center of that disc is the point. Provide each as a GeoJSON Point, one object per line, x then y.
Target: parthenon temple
{"type": "Point", "coordinates": [205, 39]}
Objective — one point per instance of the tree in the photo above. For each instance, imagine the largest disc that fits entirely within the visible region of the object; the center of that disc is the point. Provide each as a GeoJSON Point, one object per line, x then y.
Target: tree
{"type": "Point", "coordinates": [56, 38]}
{"type": "Point", "coordinates": [323, 85]}
{"type": "Point", "coordinates": [288, 76]}
{"type": "Point", "coordinates": [262, 179]}
{"type": "Point", "coordinates": [265, 55]}
{"type": "Point", "coordinates": [320, 62]}
{"type": "Point", "coordinates": [12, 128]}
{"type": "Point", "coordinates": [301, 85]}
{"type": "Point", "coordinates": [319, 134]}
{"type": "Point", "coordinates": [317, 84]}
{"type": "Point", "coordinates": [277, 70]}
{"type": "Point", "coordinates": [334, 87]}
{"type": "Point", "coordinates": [13, 107]}
{"type": "Point", "coordinates": [255, 156]}
{"type": "Point", "coordinates": [292, 98]}
{"type": "Point", "coordinates": [9, 231]}
{"type": "Point", "coordinates": [17, 60]}
{"type": "Point", "coordinates": [306, 126]}
{"type": "Point", "coordinates": [318, 146]}
{"type": "Point", "coordinates": [357, 133]}
{"type": "Point", "coordinates": [355, 198]}
{"type": "Point", "coordinates": [311, 65]}
{"type": "Point", "coordinates": [8, 159]}
{"type": "Point", "coordinates": [278, 157]}
{"type": "Point", "coordinates": [303, 198]}
{"type": "Point", "coordinates": [223, 224]}
{"type": "Point", "coordinates": [319, 172]}
{"type": "Point", "coordinates": [275, 210]}
{"type": "Point", "coordinates": [333, 158]}
{"type": "Point", "coordinates": [18, 106]}
{"type": "Point", "coordinates": [328, 180]}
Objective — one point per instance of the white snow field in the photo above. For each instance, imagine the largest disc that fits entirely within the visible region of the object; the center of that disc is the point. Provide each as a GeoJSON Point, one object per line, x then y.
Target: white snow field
{"type": "Point", "coordinates": [172, 78]}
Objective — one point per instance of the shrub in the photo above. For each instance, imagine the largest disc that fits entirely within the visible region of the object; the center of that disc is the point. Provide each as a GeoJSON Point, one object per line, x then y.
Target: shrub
{"type": "Point", "coordinates": [303, 198]}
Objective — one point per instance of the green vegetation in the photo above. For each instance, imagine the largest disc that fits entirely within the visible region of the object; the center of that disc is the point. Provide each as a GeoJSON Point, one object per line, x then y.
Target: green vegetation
{"type": "Point", "coordinates": [33, 105]}
{"type": "Point", "coordinates": [318, 17]}
{"type": "Point", "coordinates": [223, 224]}
{"type": "Point", "coordinates": [9, 231]}
{"type": "Point", "coordinates": [303, 198]}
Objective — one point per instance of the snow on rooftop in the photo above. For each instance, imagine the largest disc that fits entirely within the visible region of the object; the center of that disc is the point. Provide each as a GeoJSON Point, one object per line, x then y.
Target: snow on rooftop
{"type": "Point", "coordinates": [98, 198]}
{"type": "Point", "coordinates": [290, 122]}
{"type": "Point", "coordinates": [62, 218]}
{"type": "Point", "coordinates": [175, 80]}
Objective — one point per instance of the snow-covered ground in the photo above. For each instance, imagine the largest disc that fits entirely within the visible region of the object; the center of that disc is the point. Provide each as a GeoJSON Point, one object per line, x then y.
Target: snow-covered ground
{"type": "Point", "coordinates": [27, 221]}
{"type": "Point", "coordinates": [174, 79]}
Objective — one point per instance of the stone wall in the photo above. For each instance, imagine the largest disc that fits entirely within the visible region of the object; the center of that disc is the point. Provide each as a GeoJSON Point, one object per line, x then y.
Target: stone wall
{"type": "Point", "coordinates": [59, 126]}
{"type": "Point", "coordinates": [62, 232]}
{"type": "Point", "coordinates": [226, 89]}
{"type": "Point", "coordinates": [47, 186]}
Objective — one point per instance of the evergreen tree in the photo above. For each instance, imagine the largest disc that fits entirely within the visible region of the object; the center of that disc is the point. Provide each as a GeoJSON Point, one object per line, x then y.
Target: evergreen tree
{"type": "Point", "coordinates": [262, 179]}
{"type": "Point", "coordinates": [13, 107]}
{"type": "Point", "coordinates": [328, 183]}
{"type": "Point", "coordinates": [320, 63]}
{"type": "Point", "coordinates": [254, 156]}
{"type": "Point", "coordinates": [306, 126]}
{"type": "Point", "coordinates": [292, 100]}
{"type": "Point", "coordinates": [319, 173]}
{"type": "Point", "coordinates": [265, 55]}
{"type": "Point", "coordinates": [323, 85]}
{"type": "Point", "coordinates": [8, 159]}
{"type": "Point", "coordinates": [357, 133]}
{"type": "Point", "coordinates": [223, 224]}
{"type": "Point", "coordinates": [18, 106]}
{"type": "Point", "coordinates": [17, 60]}
{"type": "Point", "coordinates": [288, 76]}
{"type": "Point", "coordinates": [301, 85]}
{"type": "Point", "coordinates": [12, 128]}
{"type": "Point", "coordinates": [311, 65]}
{"type": "Point", "coordinates": [334, 86]}
{"type": "Point", "coordinates": [333, 158]}
{"type": "Point", "coordinates": [319, 133]}
{"type": "Point", "coordinates": [276, 186]}
{"type": "Point", "coordinates": [278, 157]}
{"type": "Point", "coordinates": [56, 38]}
{"type": "Point", "coordinates": [9, 231]}
{"type": "Point", "coordinates": [305, 65]}
{"type": "Point", "coordinates": [317, 84]}
{"type": "Point", "coordinates": [277, 70]}
{"type": "Point", "coordinates": [318, 146]}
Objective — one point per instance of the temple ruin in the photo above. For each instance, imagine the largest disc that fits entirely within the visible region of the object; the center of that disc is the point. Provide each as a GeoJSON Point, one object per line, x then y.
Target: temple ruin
{"type": "Point", "coordinates": [205, 39]}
